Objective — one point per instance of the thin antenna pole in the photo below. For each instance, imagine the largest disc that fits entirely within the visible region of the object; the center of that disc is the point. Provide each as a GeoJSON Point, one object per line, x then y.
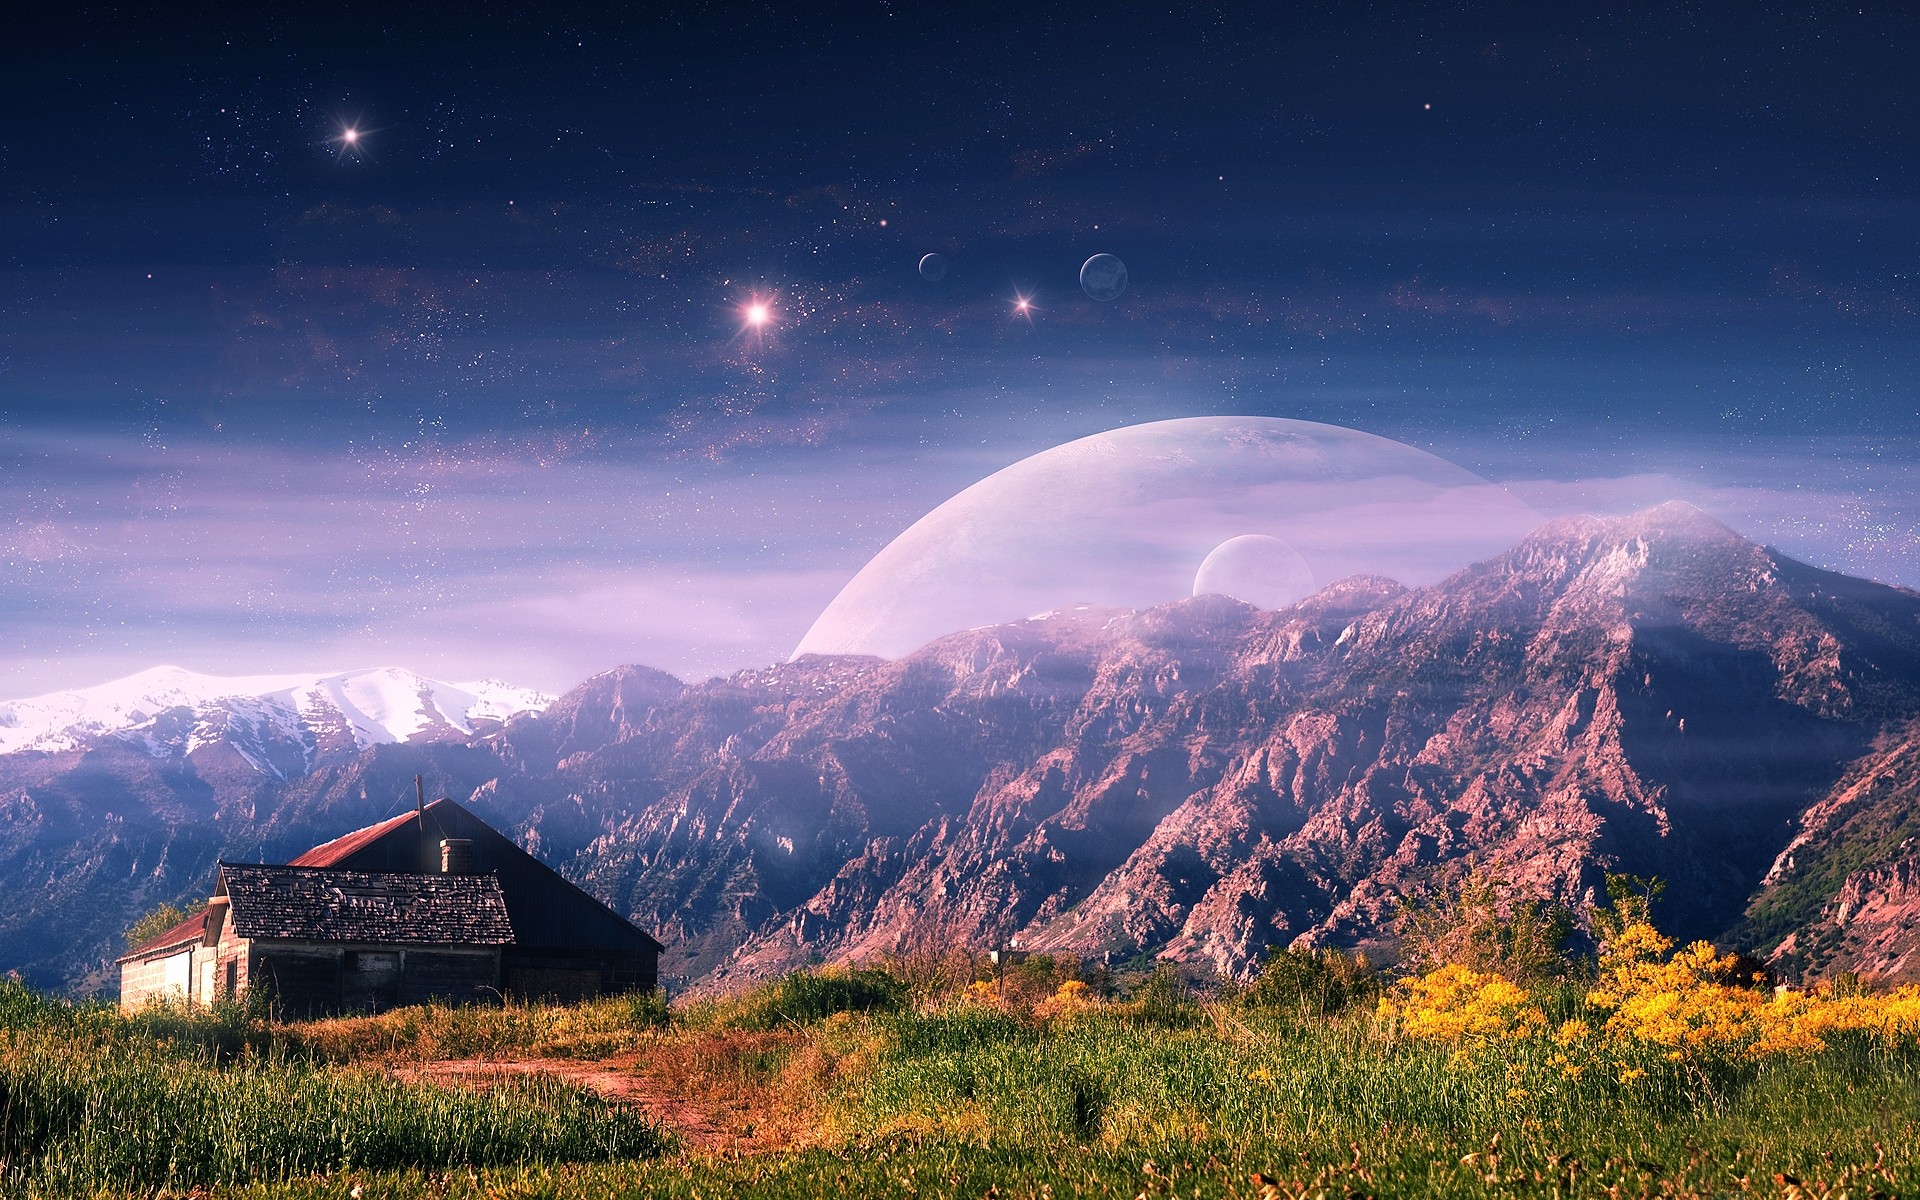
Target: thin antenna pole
{"type": "Point", "coordinates": [420, 813]}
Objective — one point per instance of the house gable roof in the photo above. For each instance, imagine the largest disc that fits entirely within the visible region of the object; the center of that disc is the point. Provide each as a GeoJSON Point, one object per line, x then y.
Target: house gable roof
{"type": "Point", "coordinates": [548, 912]}
{"type": "Point", "coordinates": [322, 905]}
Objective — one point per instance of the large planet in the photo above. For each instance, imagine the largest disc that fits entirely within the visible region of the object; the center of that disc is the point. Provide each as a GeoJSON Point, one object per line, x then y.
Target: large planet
{"type": "Point", "coordinates": [1263, 571]}
{"type": "Point", "coordinates": [1130, 517]}
{"type": "Point", "coordinates": [1103, 277]}
{"type": "Point", "coordinates": [933, 268]}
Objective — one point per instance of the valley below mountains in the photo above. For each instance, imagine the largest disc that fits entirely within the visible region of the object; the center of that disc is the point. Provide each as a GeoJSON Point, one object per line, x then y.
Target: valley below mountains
{"type": "Point", "coordinates": [1202, 780]}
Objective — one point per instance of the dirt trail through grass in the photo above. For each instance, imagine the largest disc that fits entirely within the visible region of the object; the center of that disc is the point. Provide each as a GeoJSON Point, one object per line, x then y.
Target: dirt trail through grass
{"type": "Point", "coordinates": [613, 1080]}
{"type": "Point", "coordinates": [712, 1112]}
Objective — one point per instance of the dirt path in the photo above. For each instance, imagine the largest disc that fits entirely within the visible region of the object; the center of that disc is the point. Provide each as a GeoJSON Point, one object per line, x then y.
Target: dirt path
{"type": "Point", "coordinates": [727, 1128]}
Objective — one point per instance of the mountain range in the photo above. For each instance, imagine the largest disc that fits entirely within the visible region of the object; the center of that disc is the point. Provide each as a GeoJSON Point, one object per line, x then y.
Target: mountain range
{"type": "Point", "coordinates": [1201, 780]}
{"type": "Point", "coordinates": [175, 712]}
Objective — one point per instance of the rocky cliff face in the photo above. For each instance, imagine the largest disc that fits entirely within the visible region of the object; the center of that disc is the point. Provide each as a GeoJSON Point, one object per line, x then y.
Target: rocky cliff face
{"type": "Point", "coordinates": [1650, 694]}
{"type": "Point", "coordinates": [1844, 894]}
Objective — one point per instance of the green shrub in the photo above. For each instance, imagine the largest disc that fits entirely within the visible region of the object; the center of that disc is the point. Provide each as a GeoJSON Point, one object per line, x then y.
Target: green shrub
{"type": "Point", "coordinates": [804, 996]}
{"type": "Point", "coordinates": [1312, 984]}
{"type": "Point", "coordinates": [23, 1009]}
{"type": "Point", "coordinates": [1163, 999]}
{"type": "Point", "coordinates": [1479, 921]}
{"type": "Point", "coordinates": [157, 921]}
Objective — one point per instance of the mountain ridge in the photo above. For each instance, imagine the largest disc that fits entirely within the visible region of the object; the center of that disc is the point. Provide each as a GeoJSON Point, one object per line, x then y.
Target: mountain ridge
{"type": "Point", "coordinates": [165, 707]}
{"type": "Point", "coordinates": [1202, 780]}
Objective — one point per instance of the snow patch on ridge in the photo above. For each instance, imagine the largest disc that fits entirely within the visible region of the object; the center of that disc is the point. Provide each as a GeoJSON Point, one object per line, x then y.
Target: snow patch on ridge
{"type": "Point", "coordinates": [385, 704]}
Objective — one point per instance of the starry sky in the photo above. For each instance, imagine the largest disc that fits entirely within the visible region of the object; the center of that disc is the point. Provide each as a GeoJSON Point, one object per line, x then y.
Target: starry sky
{"type": "Point", "coordinates": [471, 391]}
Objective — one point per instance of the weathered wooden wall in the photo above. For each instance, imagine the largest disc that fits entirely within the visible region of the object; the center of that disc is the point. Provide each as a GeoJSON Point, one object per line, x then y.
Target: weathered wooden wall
{"type": "Point", "coordinates": [313, 978]}
{"type": "Point", "coordinates": [232, 969]}
{"type": "Point", "coordinates": [571, 977]}
{"type": "Point", "coordinates": [456, 973]}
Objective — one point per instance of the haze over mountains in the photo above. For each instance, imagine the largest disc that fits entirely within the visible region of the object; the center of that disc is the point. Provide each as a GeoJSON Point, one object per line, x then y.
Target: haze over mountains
{"type": "Point", "coordinates": [1202, 779]}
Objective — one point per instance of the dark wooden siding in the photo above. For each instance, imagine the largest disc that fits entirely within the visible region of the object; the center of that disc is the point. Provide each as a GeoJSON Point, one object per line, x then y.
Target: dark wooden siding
{"type": "Point", "coordinates": [370, 980]}
{"type": "Point", "coordinates": [297, 983]}
{"type": "Point", "coordinates": [570, 977]}
{"type": "Point", "coordinates": [305, 979]}
{"type": "Point", "coordinates": [459, 976]}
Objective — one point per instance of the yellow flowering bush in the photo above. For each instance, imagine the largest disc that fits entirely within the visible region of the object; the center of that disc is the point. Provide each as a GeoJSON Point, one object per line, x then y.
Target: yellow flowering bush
{"type": "Point", "coordinates": [1801, 1022]}
{"type": "Point", "coordinates": [982, 991]}
{"type": "Point", "coordinates": [1454, 1004]}
{"type": "Point", "coordinates": [1693, 1002]}
{"type": "Point", "coordinates": [1684, 1003]}
{"type": "Point", "coordinates": [1070, 999]}
{"type": "Point", "coordinates": [1690, 1004]}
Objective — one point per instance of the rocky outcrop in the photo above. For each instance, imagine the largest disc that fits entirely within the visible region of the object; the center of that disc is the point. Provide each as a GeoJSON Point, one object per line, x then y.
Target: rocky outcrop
{"type": "Point", "coordinates": [1871, 928]}
{"type": "Point", "coordinates": [1842, 896]}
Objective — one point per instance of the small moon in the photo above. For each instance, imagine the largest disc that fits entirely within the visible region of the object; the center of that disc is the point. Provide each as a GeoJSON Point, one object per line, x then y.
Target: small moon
{"type": "Point", "coordinates": [933, 268]}
{"type": "Point", "coordinates": [1103, 277]}
{"type": "Point", "coordinates": [1263, 571]}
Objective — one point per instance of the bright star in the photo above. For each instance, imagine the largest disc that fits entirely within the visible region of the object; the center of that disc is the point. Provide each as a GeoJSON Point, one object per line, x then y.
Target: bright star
{"type": "Point", "coordinates": [350, 141]}
{"type": "Point", "coordinates": [1023, 306]}
{"type": "Point", "coordinates": [756, 315]}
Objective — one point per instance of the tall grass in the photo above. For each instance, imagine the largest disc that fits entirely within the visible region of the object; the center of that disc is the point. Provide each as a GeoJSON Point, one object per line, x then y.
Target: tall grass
{"type": "Point", "coordinates": [1105, 1078]}
{"type": "Point", "coordinates": [593, 1028]}
{"type": "Point", "coordinates": [1267, 1092]}
{"type": "Point", "coordinates": [92, 1102]}
{"type": "Point", "coordinates": [841, 1084]}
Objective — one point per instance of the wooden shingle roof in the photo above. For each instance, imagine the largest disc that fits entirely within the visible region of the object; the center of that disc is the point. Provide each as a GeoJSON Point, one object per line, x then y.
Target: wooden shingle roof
{"type": "Point", "coordinates": [321, 905]}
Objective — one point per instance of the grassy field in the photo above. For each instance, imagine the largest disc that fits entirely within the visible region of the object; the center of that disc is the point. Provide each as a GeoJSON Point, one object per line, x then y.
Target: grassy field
{"type": "Point", "coordinates": [1654, 1075]}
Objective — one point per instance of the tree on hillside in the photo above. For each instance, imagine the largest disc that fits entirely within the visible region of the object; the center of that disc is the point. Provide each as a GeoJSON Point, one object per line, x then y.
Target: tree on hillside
{"type": "Point", "coordinates": [1481, 922]}
{"type": "Point", "coordinates": [157, 921]}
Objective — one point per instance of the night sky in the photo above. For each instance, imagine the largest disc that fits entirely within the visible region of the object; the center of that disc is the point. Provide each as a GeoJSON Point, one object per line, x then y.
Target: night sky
{"type": "Point", "coordinates": [471, 392]}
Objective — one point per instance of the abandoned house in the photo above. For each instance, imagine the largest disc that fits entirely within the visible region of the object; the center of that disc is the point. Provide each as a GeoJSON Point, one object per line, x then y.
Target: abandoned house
{"type": "Point", "coordinates": [431, 904]}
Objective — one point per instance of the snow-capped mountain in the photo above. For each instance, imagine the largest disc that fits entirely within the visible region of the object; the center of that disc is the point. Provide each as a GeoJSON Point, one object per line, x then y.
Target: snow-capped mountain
{"type": "Point", "coordinates": [279, 723]}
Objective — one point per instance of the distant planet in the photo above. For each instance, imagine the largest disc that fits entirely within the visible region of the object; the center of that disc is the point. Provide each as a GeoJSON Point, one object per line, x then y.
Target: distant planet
{"type": "Point", "coordinates": [1120, 518]}
{"type": "Point", "coordinates": [933, 268]}
{"type": "Point", "coordinates": [1103, 277]}
{"type": "Point", "coordinates": [1263, 571]}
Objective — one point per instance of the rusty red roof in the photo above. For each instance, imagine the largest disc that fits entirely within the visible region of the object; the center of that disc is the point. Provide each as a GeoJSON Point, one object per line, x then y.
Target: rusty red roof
{"type": "Point", "coordinates": [331, 854]}
{"type": "Point", "coordinates": [193, 929]}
